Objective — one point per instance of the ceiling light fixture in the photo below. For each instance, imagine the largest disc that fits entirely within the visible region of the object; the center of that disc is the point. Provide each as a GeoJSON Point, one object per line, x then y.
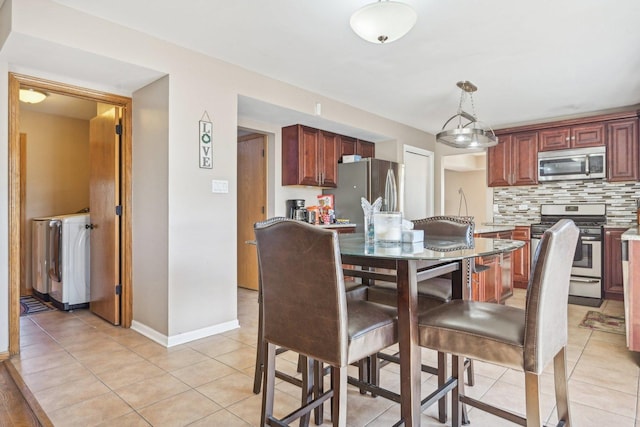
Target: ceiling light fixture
{"type": "Point", "coordinates": [469, 133]}
{"type": "Point", "coordinates": [383, 21]}
{"type": "Point", "coordinates": [31, 96]}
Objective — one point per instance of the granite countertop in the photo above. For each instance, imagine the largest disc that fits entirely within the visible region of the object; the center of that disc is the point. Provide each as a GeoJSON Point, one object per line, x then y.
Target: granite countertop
{"type": "Point", "coordinates": [631, 234]}
{"type": "Point", "coordinates": [336, 225]}
{"type": "Point", "coordinates": [482, 229]}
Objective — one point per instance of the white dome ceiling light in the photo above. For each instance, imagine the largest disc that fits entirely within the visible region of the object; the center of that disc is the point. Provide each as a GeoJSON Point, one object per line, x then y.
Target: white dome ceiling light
{"type": "Point", "coordinates": [31, 96]}
{"type": "Point", "coordinates": [383, 21]}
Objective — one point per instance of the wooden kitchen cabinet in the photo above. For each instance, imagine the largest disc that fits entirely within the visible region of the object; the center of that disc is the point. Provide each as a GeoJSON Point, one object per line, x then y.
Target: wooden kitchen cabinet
{"type": "Point", "coordinates": [613, 263]}
{"type": "Point", "coordinates": [521, 260]}
{"type": "Point", "coordinates": [309, 156]}
{"type": "Point", "coordinates": [513, 161]}
{"type": "Point", "coordinates": [622, 151]}
{"type": "Point", "coordinates": [350, 145]}
{"type": "Point", "coordinates": [563, 138]}
{"type": "Point", "coordinates": [493, 281]}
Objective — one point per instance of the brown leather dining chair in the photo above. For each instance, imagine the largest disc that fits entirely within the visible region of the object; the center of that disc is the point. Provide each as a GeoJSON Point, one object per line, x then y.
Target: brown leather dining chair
{"type": "Point", "coordinates": [306, 310]}
{"type": "Point", "coordinates": [431, 292]}
{"type": "Point", "coordinates": [524, 339]}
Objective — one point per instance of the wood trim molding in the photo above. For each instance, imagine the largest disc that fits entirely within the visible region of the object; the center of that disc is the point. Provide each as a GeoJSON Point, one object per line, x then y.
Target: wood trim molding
{"type": "Point", "coordinates": [16, 81]}
{"type": "Point", "coordinates": [570, 122]}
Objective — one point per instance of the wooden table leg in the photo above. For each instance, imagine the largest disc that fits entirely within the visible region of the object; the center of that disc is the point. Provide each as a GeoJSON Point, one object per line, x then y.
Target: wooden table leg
{"type": "Point", "coordinates": [410, 360]}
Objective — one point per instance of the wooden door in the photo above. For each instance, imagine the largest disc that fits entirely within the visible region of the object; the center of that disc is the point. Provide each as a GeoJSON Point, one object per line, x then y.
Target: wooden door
{"type": "Point", "coordinates": [252, 203]}
{"type": "Point", "coordinates": [104, 198]}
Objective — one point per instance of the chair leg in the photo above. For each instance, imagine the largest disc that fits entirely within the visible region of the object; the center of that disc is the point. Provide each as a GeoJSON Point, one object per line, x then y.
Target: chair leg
{"type": "Point", "coordinates": [562, 392]}
{"type": "Point", "coordinates": [442, 377]}
{"type": "Point", "coordinates": [257, 375]}
{"type": "Point", "coordinates": [471, 381]}
{"type": "Point", "coordinates": [374, 371]}
{"type": "Point", "coordinates": [307, 387]}
{"type": "Point", "coordinates": [364, 371]}
{"type": "Point", "coordinates": [339, 401]}
{"type": "Point", "coordinates": [532, 393]}
{"type": "Point", "coordinates": [318, 389]}
{"type": "Point", "coordinates": [269, 382]}
{"type": "Point", "coordinates": [456, 406]}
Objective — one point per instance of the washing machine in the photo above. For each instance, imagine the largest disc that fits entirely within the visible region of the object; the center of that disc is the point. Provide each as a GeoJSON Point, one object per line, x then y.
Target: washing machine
{"type": "Point", "coordinates": [40, 282]}
{"type": "Point", "coordinates": [69, 262]}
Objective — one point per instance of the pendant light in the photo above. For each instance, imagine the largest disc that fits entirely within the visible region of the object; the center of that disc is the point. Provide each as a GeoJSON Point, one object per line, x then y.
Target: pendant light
{"type": "Point", "coordinates": [384, 21]}
{"type": "Point", "coordinates": [469, 132]}
{"type": "Point", "coordinates": [31, 96]}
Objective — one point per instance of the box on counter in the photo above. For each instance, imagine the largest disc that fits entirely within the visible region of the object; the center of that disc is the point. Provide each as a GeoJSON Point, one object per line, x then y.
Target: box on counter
{"type": "Point", "coordinates": [412, 236]}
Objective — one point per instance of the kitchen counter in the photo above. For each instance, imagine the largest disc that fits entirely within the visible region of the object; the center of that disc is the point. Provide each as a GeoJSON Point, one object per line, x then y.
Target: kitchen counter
{"type": "Point", "coordinates": [483, 229]}
{"type": "Point", "coordinates": [337, 225]}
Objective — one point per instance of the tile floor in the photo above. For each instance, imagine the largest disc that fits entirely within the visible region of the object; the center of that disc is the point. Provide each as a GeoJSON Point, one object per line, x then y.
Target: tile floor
{"type": "Point", "coordinates": [84, 372]}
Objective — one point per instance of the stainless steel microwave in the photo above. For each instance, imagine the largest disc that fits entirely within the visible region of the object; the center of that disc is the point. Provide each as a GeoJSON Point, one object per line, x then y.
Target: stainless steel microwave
{"type": "Point", "coordinates": [579, 163]}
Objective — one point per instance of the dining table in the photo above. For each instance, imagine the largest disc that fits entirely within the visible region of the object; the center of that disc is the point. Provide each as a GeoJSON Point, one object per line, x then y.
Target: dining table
{"type": "Point", "coordinates": [406, 264]}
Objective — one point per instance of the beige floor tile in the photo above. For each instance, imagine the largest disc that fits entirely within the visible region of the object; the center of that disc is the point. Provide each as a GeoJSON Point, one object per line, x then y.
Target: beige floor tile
{"type": "Point", "coordinates": [246, 335]}
{"type": "Point", "coordinates": [151, 390]}
{"type": "Point", "coordinates": [177, 359]}
{"type": "Point", "coordinates": [130, 374]}
{"type": "Point", "coordinates": [222, 418]}
{"type": "Point", "coordinates": [512, 398]}
{"type": "Point", "coordinates": [250, 409]}
{"type": "Point", "coordinates": [69, 393]}
{"type": "Point", "coordinates": [229, 389]}
{"type": "Point", "coordinates": [239, 359]}
{"type": "Point", "coordinates": [179, 410]}
{"type": "Point", "coordinates": [38, 337]}
{"type": "Point", "coordinates": [203, 372]}
{"type": "Point", "coordinates": [90, 412]}
{"type": "Point", "coordinates": [132, 419]}
{"type": "Point", "coordinates": [602, 398]}
{"type": "Point", "coordinates": [38, 349]}
{"type": "Point", "coordinates": [52, 377]}
{"type": "Point", "coordinates": [46, 361]}
{"type": "Point", "coordinates": [151, 349]}
{"type": "Point", "coordinates": [217, 345]}
{"type": "Point", "coordinates": [99, 361]}
{"type": "Point", "coordinates": [625, 382]}
{"type": "Point", "coordinates": [588, 416]}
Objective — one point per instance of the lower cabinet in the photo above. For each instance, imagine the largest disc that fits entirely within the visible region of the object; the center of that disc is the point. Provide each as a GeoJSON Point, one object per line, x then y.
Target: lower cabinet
{"type": "Point", "coordinates": [493, 279]}
{"type": "Point", "coordinates": [613, 263]}
{"type": "Point", "coordinates": [522, 258]}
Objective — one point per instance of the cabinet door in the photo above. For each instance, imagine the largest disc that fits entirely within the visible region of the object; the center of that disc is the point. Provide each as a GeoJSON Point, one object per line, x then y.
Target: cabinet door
{"type": "Point", "coordinates": [524, 157]}
{"type": "Point", "coordinates": [489, 280]}
{"type": "Point", "coordinates": [299, 155]}
{"type": "Point", "coordinates": [613, 263]}
{"type": "Point", "coordinates": [347, 146]}
{"type": "Point", "coordinates": [366, 149]}
{"type": "Point", "coordinates": [505, 284]}
{"type": "Point", "coordinates": [521, 260]}
{"type": "Point", "coordinates": [309, 161]}
{"type": "Point", "coordinates": [588, 135]}
{"type": "Point", "coordinates": [555, 139]}
{"type": "Point", "coordinates": [498, 162]}
{"type": "Point", "coordinates": [622, 151]}
{"type": "Point", "coordinates": [328, 159]}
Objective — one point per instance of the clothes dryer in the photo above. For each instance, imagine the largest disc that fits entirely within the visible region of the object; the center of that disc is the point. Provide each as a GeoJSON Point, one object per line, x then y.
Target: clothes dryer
{"type": "Point", "coordinates": [69, 250]}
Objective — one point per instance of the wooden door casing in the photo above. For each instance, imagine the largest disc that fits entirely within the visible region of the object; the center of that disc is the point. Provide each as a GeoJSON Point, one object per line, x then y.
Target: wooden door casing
{"type": "Point", "coordinates": [252, 203]}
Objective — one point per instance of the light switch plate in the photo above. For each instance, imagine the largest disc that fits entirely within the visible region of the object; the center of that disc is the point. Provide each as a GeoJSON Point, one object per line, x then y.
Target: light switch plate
{"type": "Point", "coordinates": [219, 186]}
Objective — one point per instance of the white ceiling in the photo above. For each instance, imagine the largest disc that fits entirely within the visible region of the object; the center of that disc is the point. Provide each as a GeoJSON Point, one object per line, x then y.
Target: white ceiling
{"type": "Point", "coordinates": [530, 59]}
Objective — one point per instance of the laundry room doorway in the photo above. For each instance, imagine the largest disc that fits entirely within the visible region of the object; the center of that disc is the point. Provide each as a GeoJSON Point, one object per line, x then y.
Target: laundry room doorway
{"type": "Point", "coordinates": [110, 201]}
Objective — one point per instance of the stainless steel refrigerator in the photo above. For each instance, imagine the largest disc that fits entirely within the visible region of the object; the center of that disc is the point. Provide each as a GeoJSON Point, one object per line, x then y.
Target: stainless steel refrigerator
{"type": "Point", "coordinates": [368, 178]}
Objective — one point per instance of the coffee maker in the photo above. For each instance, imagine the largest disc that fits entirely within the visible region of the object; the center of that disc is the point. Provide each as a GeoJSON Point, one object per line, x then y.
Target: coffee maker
{"type": "Point", "coordinates": [296, 209]}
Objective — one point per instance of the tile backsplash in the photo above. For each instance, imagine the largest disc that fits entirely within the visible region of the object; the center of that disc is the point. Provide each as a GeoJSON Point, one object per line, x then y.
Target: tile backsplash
{"type": "Point", "coordinates": [522, 204]}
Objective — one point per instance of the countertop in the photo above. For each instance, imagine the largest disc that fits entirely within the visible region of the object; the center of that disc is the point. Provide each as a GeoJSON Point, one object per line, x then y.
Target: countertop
{"type": "Point", "coordinates": [337, 225]}
{"type": "Point", "coordinates": [631, 234]}
{"type": "Point", "coordinates": [482, 229]}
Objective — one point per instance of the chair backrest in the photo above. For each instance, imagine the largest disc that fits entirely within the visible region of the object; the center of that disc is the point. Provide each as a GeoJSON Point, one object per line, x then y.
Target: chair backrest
{"type": "Point", "coordinates": [446, 227]}
{"type": "Point", "coordinates": [303, 293]}
{"type": "Point", "coordinates": [548, 296]}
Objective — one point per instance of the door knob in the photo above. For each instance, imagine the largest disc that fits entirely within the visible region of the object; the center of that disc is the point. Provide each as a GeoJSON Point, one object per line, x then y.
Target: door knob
{"type": "Point", "coordinates": [89, 226]}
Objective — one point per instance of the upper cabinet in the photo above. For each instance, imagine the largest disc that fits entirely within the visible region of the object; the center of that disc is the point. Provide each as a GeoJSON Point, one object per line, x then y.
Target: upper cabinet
{"type": "Point", "coordinates": [564, 138]}
{"type": "Point", "coordinates": [513, 161]}
{"type": "Point", "coordinates": [622, 151]}
{"type": "Point", "coordinates": [309, 156]}
{"type": "Point", "coordinates": [350, 145]}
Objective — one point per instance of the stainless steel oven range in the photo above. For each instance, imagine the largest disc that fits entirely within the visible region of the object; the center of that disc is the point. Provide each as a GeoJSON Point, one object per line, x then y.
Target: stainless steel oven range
{"type": "Point", "coordinates": [586, 273]}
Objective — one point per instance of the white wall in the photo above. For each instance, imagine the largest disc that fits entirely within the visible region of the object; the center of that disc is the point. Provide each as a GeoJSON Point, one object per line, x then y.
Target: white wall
{"type": "Point", "coordinates": [201, 226]}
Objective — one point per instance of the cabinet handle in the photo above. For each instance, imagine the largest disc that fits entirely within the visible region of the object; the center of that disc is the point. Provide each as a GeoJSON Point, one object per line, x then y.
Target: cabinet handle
{"type": "Point", "coordinates": [573, 138]}
{"type": "Point", "coordinates": [567, 139]}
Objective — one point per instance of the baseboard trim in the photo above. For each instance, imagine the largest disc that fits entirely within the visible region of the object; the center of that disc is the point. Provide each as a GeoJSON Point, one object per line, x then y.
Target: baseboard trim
{"type": "Point", "coordinates": [171, 341]}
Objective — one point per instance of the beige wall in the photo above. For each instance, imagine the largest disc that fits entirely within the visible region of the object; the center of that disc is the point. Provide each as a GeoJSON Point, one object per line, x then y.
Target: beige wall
{"type": "Point", "coordinates": [473, 184]}
{"type": "Point", "coordinates": [57, 153]}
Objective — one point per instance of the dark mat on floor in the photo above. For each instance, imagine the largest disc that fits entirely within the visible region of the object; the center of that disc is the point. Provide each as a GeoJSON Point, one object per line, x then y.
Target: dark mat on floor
{"type": "Point", "coordinates": [598, 321]}
{"type": "Point", "coordinates": [32, 305]}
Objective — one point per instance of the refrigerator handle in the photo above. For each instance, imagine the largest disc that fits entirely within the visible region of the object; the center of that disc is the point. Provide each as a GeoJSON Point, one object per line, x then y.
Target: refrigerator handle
{"type": "Point", "coordinates": [55, 245]}
{"type": "Point", "coordinates": [391, 191]}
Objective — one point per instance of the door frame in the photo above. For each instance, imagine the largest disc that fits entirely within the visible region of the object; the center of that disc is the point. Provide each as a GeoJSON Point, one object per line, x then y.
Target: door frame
{"type": "Point", "coordinates": [16, 81]}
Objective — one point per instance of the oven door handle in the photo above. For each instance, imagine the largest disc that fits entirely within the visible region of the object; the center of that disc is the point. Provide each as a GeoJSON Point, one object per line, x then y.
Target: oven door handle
{"type": "Point", "coordinates": [581, 280]}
